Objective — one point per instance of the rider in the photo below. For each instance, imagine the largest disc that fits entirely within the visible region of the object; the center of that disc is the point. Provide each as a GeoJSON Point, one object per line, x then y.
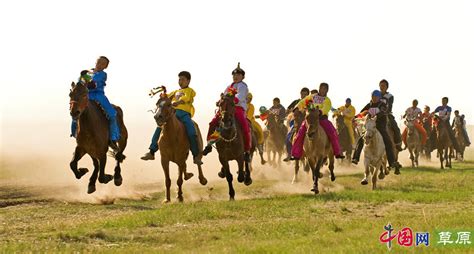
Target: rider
{"type": "Point", "coordinates": [348, 111]}
{"type": "Point", "coordinates": [97, 94]}
{"type": "Point", "coordinates": [240, 107]}
{"type": "Point", "coordinates": [323, 102]}
{"type": "Point", "coordinates": [459, 120]}
{"type": "Point", "coordinates": [444, 113]}
{"type": "Point", "coordinates": [413, 113]}
{"type": "Point", "coordinates": [377, 107]}
{"type": "Point", "coordinates": [303, 93]}
{"type": "Point", "coordinates": [182, 101]}
{"type": "Point", "coordinates": [278, 110]}
{"type": "Point", "coordinates": [255, 125]}
{"type": "Point", "coordinates": [388, 98]}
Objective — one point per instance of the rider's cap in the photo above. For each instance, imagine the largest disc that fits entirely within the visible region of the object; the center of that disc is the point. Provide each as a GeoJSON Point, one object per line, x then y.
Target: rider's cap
{"type": "Point", "coordinates": [238, 70]}
{"type": "Point", "coordinates": [348, 100]}
{"type": "Point", "coordinates": [377, 93]}
{"type": "Point", "coordinates": [262, 109]}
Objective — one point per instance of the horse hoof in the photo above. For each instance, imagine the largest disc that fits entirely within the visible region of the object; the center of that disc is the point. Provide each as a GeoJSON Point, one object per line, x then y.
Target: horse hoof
{"type": "Point", "coordinates": [231, 199]}
{"type": "Point", "coordinates": [263, 162]}
{"type": "Point", "coordinates": [240, 178]}
{"type": "Point", "coordinates": [166, 201]}
{"type": "Point", "coordinates": [397, 171]}
{"type": "Point", "coordinates": [364, 182]}
{"type": "Point", "coordinates": [81, 172]}
{"type": "Point", "coordinates": [91, 189]}
{"type": "Point", "coordinates": [118, 180]}
{"type": "Point", "coordinates": [248, 181]}
{"type": "Point", "coordinates": [188, 176]}
{"type": "Point", "coordinates": [180, 199]}
{"type": "Point", "coordinates": [203, 181]}
{"type": "Point", "coordinates": [221, 174]}
{"type": "Point", "coordinates": [333, 178]}
{"type": "Point", "coordinates": [105, 179]}
{"type": "Point", "coordinates": [381, 176]}
{"type": "Point", "coordinates": [315, 190]}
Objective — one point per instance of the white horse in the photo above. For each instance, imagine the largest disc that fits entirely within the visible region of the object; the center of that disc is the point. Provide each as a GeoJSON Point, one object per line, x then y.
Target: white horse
{"type": "Point", "coordinates": [374, 153]}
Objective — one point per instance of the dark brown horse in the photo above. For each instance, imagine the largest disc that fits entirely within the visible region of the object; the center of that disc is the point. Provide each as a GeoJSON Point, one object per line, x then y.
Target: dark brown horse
{"type": "Point", "coordinates": [174, 146]}
{"type": "Point", "coordinates": [93, 137]}
{"type": "Point", "coordinates": [317, 147]}
{"type": "Point", "coordinates": [459, 135]}
{"type": "Point", "coordinates": [344, 137]}
{"type": "Point", "coordinates": [428, 147]}
{"type": "Point", "coordinates": [230, 146]}
{"type": "Point", "coordinates": [275, 142]}
{"type": "Point", "coordinates": [443, 142]}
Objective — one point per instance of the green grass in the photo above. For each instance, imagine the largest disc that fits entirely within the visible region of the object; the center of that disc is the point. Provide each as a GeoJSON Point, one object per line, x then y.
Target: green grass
{"type": "Point", "coordinates": [348, 220]}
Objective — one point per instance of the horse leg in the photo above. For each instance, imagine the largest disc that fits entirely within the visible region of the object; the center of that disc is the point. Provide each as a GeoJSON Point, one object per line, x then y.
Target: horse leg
{"type": "Point", "coordinates": [440, 155]}
{"type": "Point", "coordinates": [228, 176]}
{"type": "Point", "coordinates": [297, 168]}
{"type": "Point", "coordinates": [317, 172]}
{"type": "Point", "coordinates": [166, 170]}
{"type": "Point", "coordinates": [78, 154]}
{"type": "Point", "coordinates": [93, 178]}
{"type": "Point", "coordinates": [240, 172]}
{"type": "Point", "coordinates": [374, 177]}
{"type": "Point", "coordinates": [202, 178]}
{"type": "Point", "coordinates": [117, 176]}
{"type": "Point", "coordinates": [412, 158]}
{"type": "Point", "coordinates": [247, 178]}
{"type": "Point", "coordinates": [181, 171]}
{"type": "Point", "coordinates": [366, 173]}
{"type": "Point", "coordinates": [103, 177]}
{"type": "Point", "coordinates": [331, 168]}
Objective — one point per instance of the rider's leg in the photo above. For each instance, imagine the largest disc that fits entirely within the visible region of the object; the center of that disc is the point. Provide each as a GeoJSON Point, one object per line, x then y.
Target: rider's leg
{"type": "Point", "coordinates": [350, 128]}
{"type": "Point", "coordinates": [397, 137]}
{"type": "Point", "coordinates": [74, 128]}
{"type": "Point", "coordinates": [153, 145]}
{"type": "Point", "coordinates": [212, 128]}
{"type": "Point", "coordinates": [332, 135]}
{"type": "Point", "coordinates": [297, 149]}
{"type": "Point", "coordinates": [260, 138]}
{"type": "Point", "coordinates": [288, 143]}
{"type": "Point", "coordinates": [382, 128]}
{"type": "Point", "coordinates": [185, 118]}
{"type": "Point", "coordinates": [466, 137]}
{"type": "Point", "coordinates": [358, 150]}
{"type": "Point", "coordinates": [242, 119]}
{"type": "Point", "coordinates": [404, 136]}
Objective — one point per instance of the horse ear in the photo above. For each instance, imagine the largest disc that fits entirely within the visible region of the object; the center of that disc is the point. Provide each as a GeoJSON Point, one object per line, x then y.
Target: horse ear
{"type": "Point", "coordinates": [73, 84]}
{"type": "Point", "coordinates": [375, 118]}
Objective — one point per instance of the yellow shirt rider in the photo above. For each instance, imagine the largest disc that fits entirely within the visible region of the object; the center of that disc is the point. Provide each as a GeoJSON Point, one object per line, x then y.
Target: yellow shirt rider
{"type": "Point", "coordinates": [348, 111]}
{"type": "Point", "coordinates": [255, 125]}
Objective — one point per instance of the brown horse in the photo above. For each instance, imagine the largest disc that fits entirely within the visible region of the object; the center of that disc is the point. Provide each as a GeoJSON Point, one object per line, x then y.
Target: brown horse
{"type": "Point", "coordinates": [230, 146]}
{"type": "Point", "coordinates": [299, 117]}
{"type": "Point", "coordinates": [93, 137]}
{"type": "Point", "coordinates": [458, 134]}
{"type": "Point", "coordinates": [443, 142]}
{"type": "Point", "coordinates": [344, 137]}
{"type": "Point", "coordinates": [427, 148]}
{"type": "Point", "coordinates": [317, 148]}
{"type": "Point", "coordinates": [413, 142]}
{"type": "Point", "coordinates": [275, 142]}
{"type": "Point", "coordinates": [174, 146]}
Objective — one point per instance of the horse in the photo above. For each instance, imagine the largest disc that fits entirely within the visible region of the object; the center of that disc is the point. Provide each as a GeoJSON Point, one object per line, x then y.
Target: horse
{"type": "Point", "coordinates": [299, 117]}
{"type": "Point", "coordinates": [230, 145]}
{"type": "Point", "coordinates": [427, 148]}
{"type": "Point", "coordinates": [275, 142]}
{"type": "Point", "coordinates": [344, 137]}
{"type": "Point", "coordinates": [413, 141]}
{"type": "Point", "coordinates": [174, 146]}
{"type": "Point", "coordinates": [459, 135]}
{"type": "Point", "coordinates": [374, 153]}
{"type": "Point", "coordinates": [317, 147]}
{"type": "Point", "coordinates": [93, 137]}
{"type": "Point", "coordinates": [443, 142]}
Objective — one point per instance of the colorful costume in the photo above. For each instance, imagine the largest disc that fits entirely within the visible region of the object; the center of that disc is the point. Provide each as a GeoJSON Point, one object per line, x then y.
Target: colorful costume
{"type": "Point", "coordinates": [184, 113]}
{"type": "Point", "coordinates": [348, 113]}
{"type": "Point", "coordinates": [414, 113]}
{"type": "Point", "coordinates": [324, 105]}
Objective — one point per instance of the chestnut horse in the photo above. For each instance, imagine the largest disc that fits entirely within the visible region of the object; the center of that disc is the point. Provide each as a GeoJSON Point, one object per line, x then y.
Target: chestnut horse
{"type": "Point", "coordinates": [93, 137]}
{"type": "Point", "coordinates": [317, 147]}
{"type": "Point", "coordinates": [174, 146]}
{"type": "Point", "coordinates": [230, 146]}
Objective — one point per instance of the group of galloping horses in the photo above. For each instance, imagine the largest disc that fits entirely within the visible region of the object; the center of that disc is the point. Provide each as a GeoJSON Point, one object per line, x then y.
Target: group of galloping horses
{"type": "Point", "coordinates": [92, 138]}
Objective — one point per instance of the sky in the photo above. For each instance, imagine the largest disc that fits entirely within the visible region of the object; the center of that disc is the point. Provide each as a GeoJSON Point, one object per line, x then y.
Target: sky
{"type": "Point", "coordinates": [425, 49]}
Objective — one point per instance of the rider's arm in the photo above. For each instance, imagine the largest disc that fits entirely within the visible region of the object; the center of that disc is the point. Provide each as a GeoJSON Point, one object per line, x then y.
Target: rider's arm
{"type": "Point", "coordinates": [326, 107]}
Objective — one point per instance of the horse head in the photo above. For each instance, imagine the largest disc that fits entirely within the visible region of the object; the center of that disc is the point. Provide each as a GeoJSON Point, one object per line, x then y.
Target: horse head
{"type": "Point", "coordinates": [370, 128]}
{"type": "Point", "coordinates": [164, 110]}
{"type": "Point", "coordinates": [312, 120]}
{"type": "Point", "coordinates": [78, 99]}
{"type": "Point", "coordinates": [227, 110]}
{"type": "Point", "coordinates": [340, 122]}
{"type": "Point", "coordinates": [410, 123]}
{"type": "Point", "coordinates": [298, 116]}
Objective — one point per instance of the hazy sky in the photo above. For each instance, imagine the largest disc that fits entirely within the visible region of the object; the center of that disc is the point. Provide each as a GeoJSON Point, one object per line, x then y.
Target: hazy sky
{"type": "Point", "coordinates": [425, 49]}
